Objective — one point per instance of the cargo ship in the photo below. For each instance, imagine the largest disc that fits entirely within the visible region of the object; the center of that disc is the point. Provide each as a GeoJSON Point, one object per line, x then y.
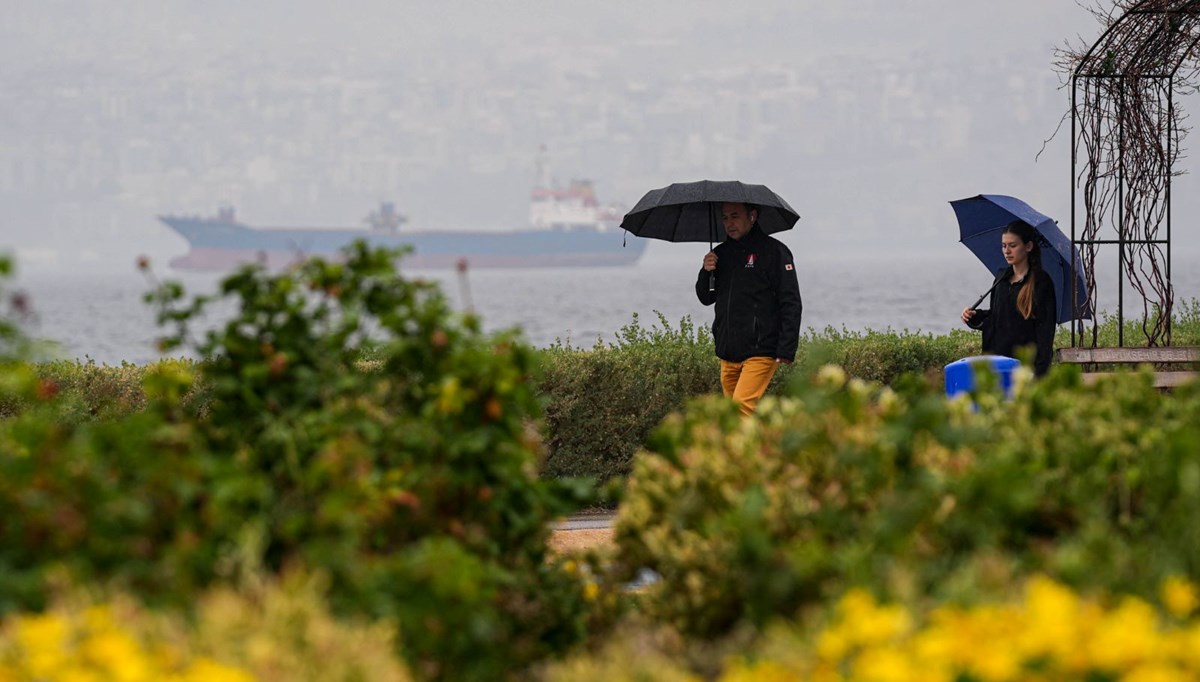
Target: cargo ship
{"type": "Point", "coordinates": [567, 227]}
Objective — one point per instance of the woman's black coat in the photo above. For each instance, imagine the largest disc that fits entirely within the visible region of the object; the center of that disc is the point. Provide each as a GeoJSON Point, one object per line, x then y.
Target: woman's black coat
{"type": "Point", "coordinates": [1005, 330]}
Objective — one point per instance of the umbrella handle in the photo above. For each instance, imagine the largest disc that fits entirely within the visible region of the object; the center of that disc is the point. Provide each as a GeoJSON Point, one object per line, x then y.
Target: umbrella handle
{"type": "Point", "coordinates": [988, 292]}
{"type": "Point", "coordinates": [712, 234]}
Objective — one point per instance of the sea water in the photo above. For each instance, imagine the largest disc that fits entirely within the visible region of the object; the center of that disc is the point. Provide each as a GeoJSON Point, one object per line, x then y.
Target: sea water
{"type": "Point", "coordinates": [102, 317]}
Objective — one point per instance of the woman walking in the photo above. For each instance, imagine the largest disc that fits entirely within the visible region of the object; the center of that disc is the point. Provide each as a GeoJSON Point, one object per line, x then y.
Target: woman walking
{"type": "Point", "coordinates": [1023, 304]}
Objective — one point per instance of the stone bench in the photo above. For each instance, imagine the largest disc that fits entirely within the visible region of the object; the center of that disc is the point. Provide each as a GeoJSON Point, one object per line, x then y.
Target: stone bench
{"type": "Point", "coordinates": [1173, 365]}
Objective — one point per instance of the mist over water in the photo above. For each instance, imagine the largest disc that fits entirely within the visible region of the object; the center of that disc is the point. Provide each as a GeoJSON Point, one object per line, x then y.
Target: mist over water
{"type": "Point", "coordinates": [866, 116]}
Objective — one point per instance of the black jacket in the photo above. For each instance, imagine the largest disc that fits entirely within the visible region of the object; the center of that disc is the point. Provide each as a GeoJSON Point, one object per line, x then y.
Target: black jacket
{"type": "Point", "coordinates": [757, 298]}
{"type": "Point", "coordinates": [1004, 330]}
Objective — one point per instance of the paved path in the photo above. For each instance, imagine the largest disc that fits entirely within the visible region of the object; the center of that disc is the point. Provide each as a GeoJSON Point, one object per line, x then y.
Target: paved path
{"type": "Point", "coordinates": [604, 521]}
{"type": "Point", "coordinates": [592, 521]}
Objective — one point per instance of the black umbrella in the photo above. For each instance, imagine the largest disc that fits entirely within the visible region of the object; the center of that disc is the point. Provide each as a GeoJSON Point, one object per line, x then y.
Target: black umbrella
{"type": "Point", "coordinates": [691, 211]}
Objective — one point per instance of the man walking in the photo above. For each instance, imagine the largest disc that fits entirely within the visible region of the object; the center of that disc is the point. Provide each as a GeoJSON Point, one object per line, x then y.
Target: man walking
{"type": "Point", "coordinates": [758, 307]}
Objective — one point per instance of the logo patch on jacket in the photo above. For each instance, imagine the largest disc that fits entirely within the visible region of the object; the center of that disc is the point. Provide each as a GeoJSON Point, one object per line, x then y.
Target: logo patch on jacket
{"type": "Point", "coordinates": [750, 261]}
{"type": "Point", "coordinates": [788, 266]}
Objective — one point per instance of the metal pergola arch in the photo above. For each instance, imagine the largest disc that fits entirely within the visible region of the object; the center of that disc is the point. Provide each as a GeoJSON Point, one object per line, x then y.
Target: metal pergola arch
{"type": "Point", "coordinates": [1148, 43]}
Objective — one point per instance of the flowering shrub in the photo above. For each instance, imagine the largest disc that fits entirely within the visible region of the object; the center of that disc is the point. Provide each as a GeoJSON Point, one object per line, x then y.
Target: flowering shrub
{"type": "Point", "coordinates": [746, 519]}
{"type": "Point", "coordinates": [265, 630]}
{"type": "Point", "coordinates": [1046, 631]}
{"type": "Point", "coordinates": [842, 483]}
{"type": "Point", "coordinates": [635, 657]}
{"type": "Point", "coordinates": [1051, 633]}
{"type": "Point", "coordinates": [92, 644]}
{"type": "Point", "coordinates": [282, 629]}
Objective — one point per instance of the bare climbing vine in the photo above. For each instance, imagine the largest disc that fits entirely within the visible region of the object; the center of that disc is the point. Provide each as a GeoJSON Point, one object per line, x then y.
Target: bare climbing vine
{"type": "Point", "coordinates": [1128, 136]}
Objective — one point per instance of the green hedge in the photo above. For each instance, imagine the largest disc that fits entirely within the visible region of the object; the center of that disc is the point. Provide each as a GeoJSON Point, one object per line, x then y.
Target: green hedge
{"type": "Point", "coordinates": [600, 403]}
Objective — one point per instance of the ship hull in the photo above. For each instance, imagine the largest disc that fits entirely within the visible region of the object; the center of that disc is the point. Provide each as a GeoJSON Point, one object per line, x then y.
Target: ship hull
{"type": "Point", "coordinates": [220, 245]}
{"type": "Point", "coordinates": [203, 259]}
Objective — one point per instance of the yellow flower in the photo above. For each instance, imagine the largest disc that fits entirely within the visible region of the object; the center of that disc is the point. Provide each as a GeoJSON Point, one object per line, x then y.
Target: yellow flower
{"type": "Point", "coordinates": [886, 624]}
{"type": "Point", "coordinates": [832, 376]}
{"type": "Point", "coordinates": [960, 633]}
{"type": "Point", "coordinates": [117, 653]}
{"type": "Point", "coordinates": [1156, 673]}
{"type": "Point", "coordinates": [833, 644]}
{"type": "Point", "coordinates": [591, 591]}
{"type": "Point", "coordinates": [82, 675]}
{"type": "Point", "coordinates": [206, 670]}
{"type": "Point", "coordinates": [42, 632]}
{"type": "Point", "coordinates": [760, 671]}
{"type": "Point", "coordinates": [1179, 596]}
{"type": "Point", "coordinates": [825, 672]}
{"type": "Point", "coordinates": [888, 664]}
{"type": "Point", "coordinates": [995, 662]}
{"type": "Point", "coordinates": [1185, 645]}
{"type": "Point", "coordinates": [936, 646]}
{"type": "Point", "coordinates": [855, 603]}
{"type": "Point", "coordinates": [1053, 634]}
{"type": "Point", "coordinates": [98, 618]}
{"type": "Point", "coordinates": [1053, 614]}
{"type": "Point", "coordinates": [1125, 637]}
{"type": "Point", "coordinates": [889, 402]}
{"type": "Point", "coordinates": [450, 397]}
{"type": "Point", "coordinates": [44, 639]}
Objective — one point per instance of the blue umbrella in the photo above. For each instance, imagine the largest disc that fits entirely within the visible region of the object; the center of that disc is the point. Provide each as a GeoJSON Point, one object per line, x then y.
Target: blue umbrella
{"type": "Point", "coordinates": [981, 220]}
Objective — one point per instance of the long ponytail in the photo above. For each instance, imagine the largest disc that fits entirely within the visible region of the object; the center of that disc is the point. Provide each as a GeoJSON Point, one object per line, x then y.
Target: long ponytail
{"type": "Point", "coordinates": [1027, 235]}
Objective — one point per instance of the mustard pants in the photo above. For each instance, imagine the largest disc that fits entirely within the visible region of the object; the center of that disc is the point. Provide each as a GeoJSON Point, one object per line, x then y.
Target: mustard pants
{"type": "Point", "coordinates": [746, 381]}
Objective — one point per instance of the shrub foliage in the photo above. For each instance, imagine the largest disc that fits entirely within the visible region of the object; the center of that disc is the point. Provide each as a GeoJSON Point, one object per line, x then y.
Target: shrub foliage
{"type": "Point", "coordinates": [345, 422]}
{"type": "Point", "coordinates": [844, 483]}
{"type": "Point", "coordinates": [410, 480]}
{"type": "Point", "coordinates": [601, 403]}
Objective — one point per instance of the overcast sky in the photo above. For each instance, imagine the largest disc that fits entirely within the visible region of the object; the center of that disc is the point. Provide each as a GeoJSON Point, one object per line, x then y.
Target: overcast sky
{"type": "Point", "coordinates": [867, 116]}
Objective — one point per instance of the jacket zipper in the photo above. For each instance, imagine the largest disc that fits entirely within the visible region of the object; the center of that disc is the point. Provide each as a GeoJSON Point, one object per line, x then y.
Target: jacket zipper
{"type": "Point", "coordinates": [728, 304]}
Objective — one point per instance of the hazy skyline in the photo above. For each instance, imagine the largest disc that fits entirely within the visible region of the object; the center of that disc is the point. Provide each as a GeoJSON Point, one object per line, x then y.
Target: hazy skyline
{"type": "Point", "coordinates": [868, 117]}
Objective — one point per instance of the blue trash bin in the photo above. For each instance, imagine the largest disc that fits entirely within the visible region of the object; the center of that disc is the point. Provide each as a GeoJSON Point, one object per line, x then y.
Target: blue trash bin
{"type": "Point", "coordinates": [960, 374]}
